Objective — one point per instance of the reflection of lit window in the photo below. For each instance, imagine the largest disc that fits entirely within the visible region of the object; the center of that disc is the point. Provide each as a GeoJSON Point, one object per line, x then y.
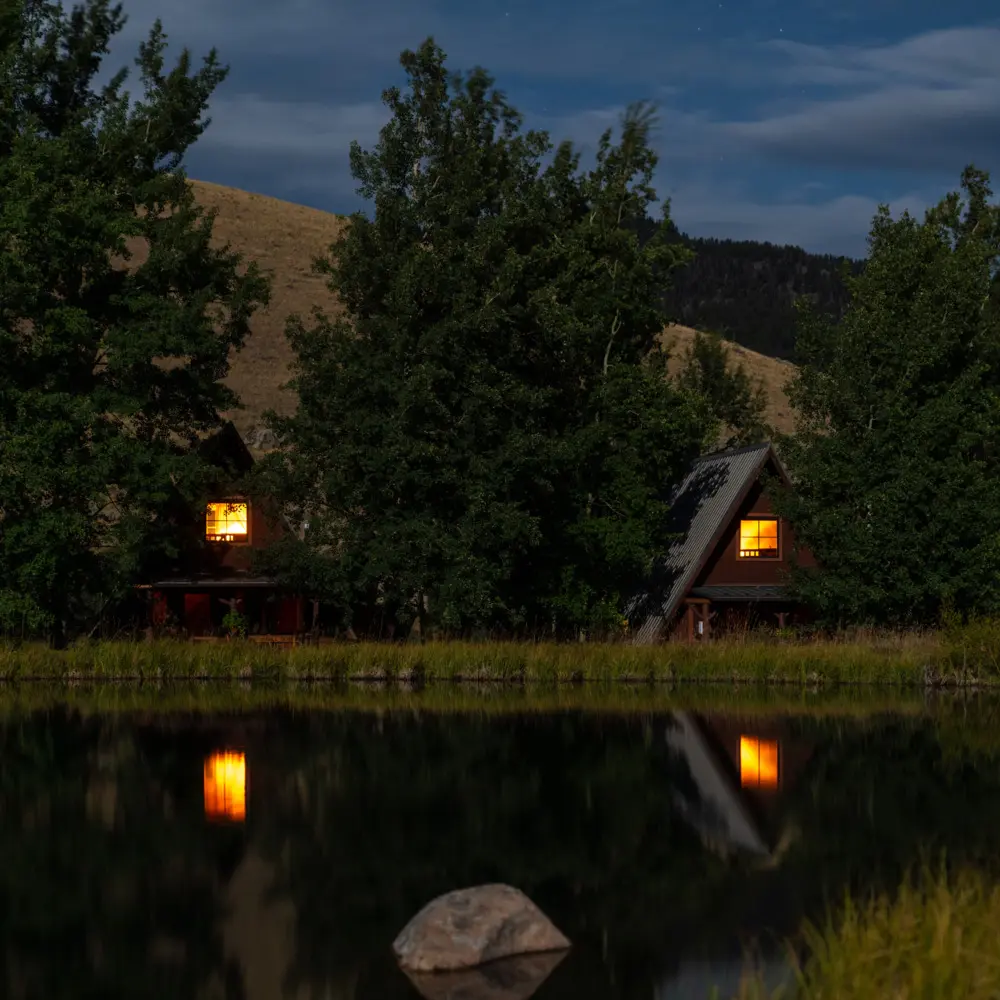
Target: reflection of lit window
{"type": "Point", "coordinates": [226, 522]}
{"type": "Point", "coordinates": [226, 786]}
{"type": "Point", "coordinates": [758, 763]}
{"type": "Point", "coordinates": [759, 538]}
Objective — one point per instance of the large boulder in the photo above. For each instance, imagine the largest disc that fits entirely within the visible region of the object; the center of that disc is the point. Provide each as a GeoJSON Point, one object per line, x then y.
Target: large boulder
{"type": "Point", "coordinates": [468, 927]}
{"type": "Point", "coordinates": [516, 978]}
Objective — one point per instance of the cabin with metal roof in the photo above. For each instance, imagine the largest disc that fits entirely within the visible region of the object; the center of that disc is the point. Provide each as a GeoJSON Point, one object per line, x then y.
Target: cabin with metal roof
{"type": "Point", "coordinates": [729, 565]}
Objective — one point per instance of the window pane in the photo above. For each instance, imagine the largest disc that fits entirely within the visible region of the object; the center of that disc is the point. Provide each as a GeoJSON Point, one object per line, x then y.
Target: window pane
{"type": "Point", "coordinates": [226, 521]}
{"type": "Point", "coordinates": [758, 537]}
{"type": "Point", "coordinates": [768, 531]}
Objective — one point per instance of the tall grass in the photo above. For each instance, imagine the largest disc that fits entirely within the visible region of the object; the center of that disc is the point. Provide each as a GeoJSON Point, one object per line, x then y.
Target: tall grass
{"type": "Point", "coordinates": [169, 697]}
{"type": "Point", "coordinates": [935, 939]}
{"type": "Point", "coordinates": [887, 660]}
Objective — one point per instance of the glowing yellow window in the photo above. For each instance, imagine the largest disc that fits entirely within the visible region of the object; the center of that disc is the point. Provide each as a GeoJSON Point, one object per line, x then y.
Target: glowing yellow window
{"type": "Point", "coordinates": [226, 786]}
{"type": "Point", "coordinates": [226, 522]}
{"type": "Point", "coordinates": [758, 763]}
{"type": "Point", "coordinates": [759, 538]}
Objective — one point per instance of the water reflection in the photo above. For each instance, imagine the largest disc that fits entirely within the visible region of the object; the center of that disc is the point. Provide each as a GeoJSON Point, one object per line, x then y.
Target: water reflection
{"type": "Point", "coordinates": [508, 979]}
{"type": "Point", "coordinates": [758, 763]}
{"type": "Point", "coordinates": [637, 835]}
{"type": "Point", "coordinates": [225, 786]}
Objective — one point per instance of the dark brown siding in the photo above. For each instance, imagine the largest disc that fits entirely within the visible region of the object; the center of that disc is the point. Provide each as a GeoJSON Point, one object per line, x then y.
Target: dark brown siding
{"type": "Point", "coordinates": [725, 567]}
{"type": "Point", "coordinates": [225, 558]}
{"type": "Point", "coordinates": [262, 533]}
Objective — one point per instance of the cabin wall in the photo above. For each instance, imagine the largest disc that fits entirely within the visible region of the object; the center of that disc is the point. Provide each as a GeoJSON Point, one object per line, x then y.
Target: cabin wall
{"type": "Point", "coordinates": [262, 533]}
{"type": "Point", "coordinates": [724, 567]}
{"type": "Point", "coordinates": [226, 558]}
{"type": "Point", "coordinates": [201, 612]}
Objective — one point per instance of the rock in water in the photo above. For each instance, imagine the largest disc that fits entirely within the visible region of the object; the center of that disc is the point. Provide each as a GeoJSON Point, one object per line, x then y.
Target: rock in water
{"type": "Point", "coordinates": [467, 927]}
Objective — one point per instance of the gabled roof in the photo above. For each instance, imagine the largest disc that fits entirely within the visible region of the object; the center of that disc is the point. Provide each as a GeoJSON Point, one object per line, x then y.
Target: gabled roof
{"type": "Point", "coordinates": [717, 811]}
{"type": "Point", "coordinates": [702, 507]}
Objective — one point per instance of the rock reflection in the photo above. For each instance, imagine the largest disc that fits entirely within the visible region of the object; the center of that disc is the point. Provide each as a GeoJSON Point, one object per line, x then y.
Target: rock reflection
{"type": "Point", "coordinates": [507, 979]}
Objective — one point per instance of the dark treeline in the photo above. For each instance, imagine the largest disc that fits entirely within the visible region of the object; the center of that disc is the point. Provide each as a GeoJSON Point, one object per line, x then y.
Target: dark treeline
{"type": "Point", "coordinates": [746, 291]}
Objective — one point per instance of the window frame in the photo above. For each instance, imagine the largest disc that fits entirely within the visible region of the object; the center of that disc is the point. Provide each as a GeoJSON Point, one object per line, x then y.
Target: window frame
{"type": "Point", "coordinates": [739, 538]}
{"type": "Point", "coordinates": [222, 541]}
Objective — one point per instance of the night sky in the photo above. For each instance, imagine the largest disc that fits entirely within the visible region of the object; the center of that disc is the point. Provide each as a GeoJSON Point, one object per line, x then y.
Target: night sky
{"type": "Point", "coordinates": [782, 121]}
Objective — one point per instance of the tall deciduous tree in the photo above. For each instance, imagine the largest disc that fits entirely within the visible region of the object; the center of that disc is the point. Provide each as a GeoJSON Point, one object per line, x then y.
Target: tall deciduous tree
{"type": "Point", "coordinates": [486, 438]}
{"type": "Point", "coordinates": [111, 367]}
{"type": "Point", "coordinates": [896, 454]}
{"type": "Point", "coordinates": [730, 396]}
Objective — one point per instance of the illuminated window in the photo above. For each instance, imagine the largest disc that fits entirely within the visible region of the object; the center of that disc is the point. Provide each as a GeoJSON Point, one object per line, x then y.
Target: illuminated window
{"type": "Point", "coordinates": [758, 763]}
{"type": "Point", "coordinates": [226, 522]}
{"type": "Point", "coordinates": [226, 786]}
{"type": "Point", "coordinates": [759, 538]}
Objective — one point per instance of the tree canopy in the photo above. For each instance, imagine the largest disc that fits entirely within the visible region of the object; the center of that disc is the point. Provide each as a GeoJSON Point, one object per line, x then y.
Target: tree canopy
{"type": "Point", "coordinates": [897, 483]}
{"type": "Point", "coordinates": [486, 438]}
{"type": "Point", "coordinates": [117, 316]}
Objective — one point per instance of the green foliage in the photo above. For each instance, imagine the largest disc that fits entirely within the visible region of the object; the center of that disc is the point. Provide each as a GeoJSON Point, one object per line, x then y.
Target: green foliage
{"type": "Point", "coordinates": [747, 291]}
{"type": "Point", "coordinates": [731, 398]}
{"type": "Point", "coordinates": [235, 624]}
{"type": "Point", "coordinates": [487, 438]}
{"type": "Point", "coordinates": [895, 458]}
{"type": "Point", "coordinates": [109, 372]}
{"type": "Point", "coordinates": [933, 937]}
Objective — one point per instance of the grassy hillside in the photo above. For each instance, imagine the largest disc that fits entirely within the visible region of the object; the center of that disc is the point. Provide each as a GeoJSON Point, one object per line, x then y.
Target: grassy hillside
{"type": "Point", "coordinates": [284, 238]}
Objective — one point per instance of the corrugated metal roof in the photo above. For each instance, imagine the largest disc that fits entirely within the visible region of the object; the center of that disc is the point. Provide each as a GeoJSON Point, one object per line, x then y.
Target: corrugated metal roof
{"type": "Point", "coordinates": [700, 509]}
{"type": "Point", "coordinates": [743, 592]}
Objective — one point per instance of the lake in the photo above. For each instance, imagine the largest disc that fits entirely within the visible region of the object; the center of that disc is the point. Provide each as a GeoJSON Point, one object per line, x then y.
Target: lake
{"type": "Point", "coordinates": [277, 852]}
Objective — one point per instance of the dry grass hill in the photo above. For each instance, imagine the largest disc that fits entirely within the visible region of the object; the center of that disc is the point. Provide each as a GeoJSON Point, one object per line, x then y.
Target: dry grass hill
{"type": "Point", "coordinates": [284, 239]}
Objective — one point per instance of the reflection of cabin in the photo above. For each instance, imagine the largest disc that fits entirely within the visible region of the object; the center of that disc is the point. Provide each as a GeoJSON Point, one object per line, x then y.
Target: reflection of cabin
{"type": "Point", "coordinates": [730, 563]}
{"type": "Point", "coordinates": [739, 769]}
{"type": "Point", "coordinates": [214, 571]}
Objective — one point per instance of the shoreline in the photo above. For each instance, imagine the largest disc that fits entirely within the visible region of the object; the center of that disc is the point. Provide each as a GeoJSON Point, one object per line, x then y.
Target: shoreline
{"type": "Point", "coordinates": [913, 662]}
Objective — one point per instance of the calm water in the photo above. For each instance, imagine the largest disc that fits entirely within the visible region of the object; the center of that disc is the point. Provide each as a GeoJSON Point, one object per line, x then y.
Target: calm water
{"type": "Point", "coordinates": [278, 854]}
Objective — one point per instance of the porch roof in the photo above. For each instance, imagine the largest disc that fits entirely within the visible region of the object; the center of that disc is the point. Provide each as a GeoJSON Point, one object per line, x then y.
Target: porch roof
{"type": "Point", "coordinates": [198, 583]}
{"type": "Point", "coordinates": [744, 592]}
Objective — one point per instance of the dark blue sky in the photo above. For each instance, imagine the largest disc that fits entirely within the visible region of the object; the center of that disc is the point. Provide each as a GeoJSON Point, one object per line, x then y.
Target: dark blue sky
{"type": "Point", "coordinates": [782, 121]}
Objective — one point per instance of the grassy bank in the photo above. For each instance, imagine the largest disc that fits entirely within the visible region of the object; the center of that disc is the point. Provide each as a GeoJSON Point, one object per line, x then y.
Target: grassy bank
{"type": "Point", "coordinates": [894, 660]}
{"type": "Point", "coordinates": [935, 938]}
{"type": "Point", "coordinates": [237, 697]}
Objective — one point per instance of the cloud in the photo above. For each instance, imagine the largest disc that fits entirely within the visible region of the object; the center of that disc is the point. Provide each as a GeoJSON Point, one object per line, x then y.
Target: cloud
{"type": "Point", "coordinates": [745, 121]}
{"type": "Point", "coordinates": [837, 225]}
{"type": "Point", "coordinates": [306, 130]}
{"type": "Point", "coordinates": [930, 102]}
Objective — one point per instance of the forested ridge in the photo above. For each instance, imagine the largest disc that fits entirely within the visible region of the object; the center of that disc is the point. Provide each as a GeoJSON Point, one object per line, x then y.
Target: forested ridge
{"type": "Point", "coordinates": [746, 290]}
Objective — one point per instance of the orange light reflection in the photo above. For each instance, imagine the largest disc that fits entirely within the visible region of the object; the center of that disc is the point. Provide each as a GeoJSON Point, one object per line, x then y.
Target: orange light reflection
{"type": "Point", "coordinates": [226, 786]}
{"type": "Point", "coordinates": [758, 763]}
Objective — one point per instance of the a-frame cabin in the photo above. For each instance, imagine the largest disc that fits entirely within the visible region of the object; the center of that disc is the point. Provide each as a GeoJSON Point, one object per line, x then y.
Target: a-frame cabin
{"type": "Point", "coordinates": [730, 563]}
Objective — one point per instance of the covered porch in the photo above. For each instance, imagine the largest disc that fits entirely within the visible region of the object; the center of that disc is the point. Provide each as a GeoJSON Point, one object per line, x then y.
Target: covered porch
{"type": "Point", "coordinates": [725, 610]}
{"type": "Point", "coordinates": [195, 608]}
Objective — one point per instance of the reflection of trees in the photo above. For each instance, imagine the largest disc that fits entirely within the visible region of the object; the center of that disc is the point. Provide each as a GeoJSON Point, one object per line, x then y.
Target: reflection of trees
{"type": "Point", "coordinates": [381, 816]}
{"type": "Point", "coordinates": [108, 883]}
{"type": "Point", "coordinates": [879, 800]}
